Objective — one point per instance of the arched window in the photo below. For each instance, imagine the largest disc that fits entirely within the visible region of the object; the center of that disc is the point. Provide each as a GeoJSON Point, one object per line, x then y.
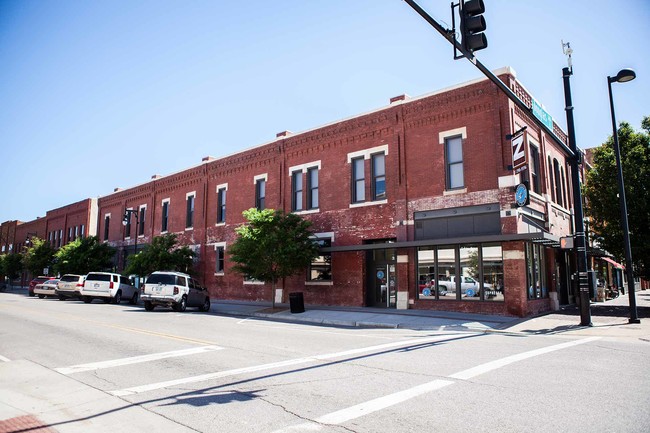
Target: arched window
{"type": "Point", "coordinates": [551, 186]}
{"type": "Point", "coordinates": [558, 182]}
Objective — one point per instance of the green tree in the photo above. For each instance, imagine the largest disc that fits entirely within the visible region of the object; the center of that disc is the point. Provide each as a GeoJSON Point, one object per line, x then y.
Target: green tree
{"type": "Point", "coordinates": [84, 255]}
{"type": "Point", "coordinates": [272, 245]}
{"type": "Point", "coordinates": [38, 256]}
{"type": "Point", "coordinates": [601, 193]}
{"type": "Point", "coordinates": [162, 254]}
{"type": "Point", "coordinates": [11, 265]}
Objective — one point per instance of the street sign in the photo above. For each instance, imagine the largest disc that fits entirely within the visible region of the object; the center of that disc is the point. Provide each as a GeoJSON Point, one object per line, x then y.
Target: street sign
{"type": "Point", "coordinates": [542, 115]}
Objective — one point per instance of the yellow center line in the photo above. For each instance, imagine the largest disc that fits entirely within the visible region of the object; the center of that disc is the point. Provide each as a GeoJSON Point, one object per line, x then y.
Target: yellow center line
{"type": "Point", "coordinates": [113, 326]}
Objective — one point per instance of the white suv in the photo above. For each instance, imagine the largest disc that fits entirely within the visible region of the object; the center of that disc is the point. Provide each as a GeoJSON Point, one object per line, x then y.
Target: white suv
{"type": "Point", "coordinates": [176, 290]}
{"type": "Point", "coordinates": [109, 287]}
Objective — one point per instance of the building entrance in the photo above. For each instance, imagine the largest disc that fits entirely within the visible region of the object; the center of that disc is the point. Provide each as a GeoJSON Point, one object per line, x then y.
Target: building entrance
{"type": "Point", "coordinates": [382, 279]}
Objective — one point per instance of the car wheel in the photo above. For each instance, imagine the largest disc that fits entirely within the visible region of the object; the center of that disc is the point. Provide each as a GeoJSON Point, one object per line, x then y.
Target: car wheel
{"type": "Point", "coordinates": [134, 299]}
{"type": "Point", "coordinates": [32, 294]}
{"type": "Point", "coordinates": [61, 298]}
{"type": "Point", "coordinates": [41, 296]}
{"type": "Point", "coordinates": [182, 305]}
{"type": "Point", "coordinates": [87, 299]}
{"type": "Point", "coordinates": [206, 305]}
{"type": "Point", "coordinates": [148, 306]}
{"type": "Point", "coordinates": [118, 297]}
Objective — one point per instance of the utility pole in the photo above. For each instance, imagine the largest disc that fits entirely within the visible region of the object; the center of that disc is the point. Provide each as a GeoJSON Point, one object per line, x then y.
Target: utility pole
{"type": "Point", "coordinates": [578, 215]}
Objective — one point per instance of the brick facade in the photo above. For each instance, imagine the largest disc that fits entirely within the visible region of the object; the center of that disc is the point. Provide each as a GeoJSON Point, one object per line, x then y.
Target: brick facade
{"type": "Point", "coordinates": [410, 133]}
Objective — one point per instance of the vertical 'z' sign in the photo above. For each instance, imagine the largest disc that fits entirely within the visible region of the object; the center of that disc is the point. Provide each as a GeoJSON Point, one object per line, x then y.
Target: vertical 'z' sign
{"type": "Point", "coordinates": [518, 153]}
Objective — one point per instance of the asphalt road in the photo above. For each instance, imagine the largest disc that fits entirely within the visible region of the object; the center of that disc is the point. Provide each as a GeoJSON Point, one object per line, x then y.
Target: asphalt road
{"type": "Point", "coordinates": [215, 373]}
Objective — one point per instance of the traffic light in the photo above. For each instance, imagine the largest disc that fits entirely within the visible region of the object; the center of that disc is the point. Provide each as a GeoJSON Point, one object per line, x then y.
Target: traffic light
{"type": "Point", "coordinates": [472, 25]}
{"type": "Point", "coordinates": [126, 218]}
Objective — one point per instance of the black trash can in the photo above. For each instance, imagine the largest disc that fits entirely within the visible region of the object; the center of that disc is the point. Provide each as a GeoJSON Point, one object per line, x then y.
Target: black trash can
{"type": "Point", "coordinates": [296, 302]}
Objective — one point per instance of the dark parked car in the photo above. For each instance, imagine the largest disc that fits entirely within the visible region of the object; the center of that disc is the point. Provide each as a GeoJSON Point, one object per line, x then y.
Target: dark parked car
{"type": "Point", "coordinates": [35, 281]}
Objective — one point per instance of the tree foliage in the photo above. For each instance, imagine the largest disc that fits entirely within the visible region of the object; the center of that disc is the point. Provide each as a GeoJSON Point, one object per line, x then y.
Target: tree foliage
{"type": "Point", "coordinates": [601, 193]}
{"type": "Point", "coordinates": [162, 254]}
{"type": "Point", "coordinates": [272, 245]}
{"type": "Point", "coordinates": [38, 256]}
{"type": "Point", "coordinates": [11, 265]}
{"type": "Point", "coordinates": [84, 255]}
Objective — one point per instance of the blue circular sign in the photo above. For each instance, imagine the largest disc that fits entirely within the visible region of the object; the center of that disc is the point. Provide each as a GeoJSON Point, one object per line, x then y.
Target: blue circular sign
{"type": "Point", "coordinates": [470, 292]}
{"type": "Point", "coordinates": [426, 292]}
{"type": "Point", "coordinates": [380, 274]}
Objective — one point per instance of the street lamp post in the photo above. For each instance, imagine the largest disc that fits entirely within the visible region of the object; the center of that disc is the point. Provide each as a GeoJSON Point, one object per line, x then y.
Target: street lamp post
{"type": "Point", "coordinates": [125, 221]}
{"type": "Point", "coordinates": [624, 75]}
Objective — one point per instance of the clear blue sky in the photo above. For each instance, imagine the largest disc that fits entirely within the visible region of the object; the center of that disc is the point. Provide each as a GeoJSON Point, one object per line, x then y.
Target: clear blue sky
{"type": "Point", "coordinates": [105, 93]}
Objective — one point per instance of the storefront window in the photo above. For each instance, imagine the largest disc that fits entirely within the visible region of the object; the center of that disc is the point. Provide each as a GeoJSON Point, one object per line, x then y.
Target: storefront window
{"type": "Point", "coordinates": [470, 287]}
{"type": "Point", "coordinates": [480, 273]}
{"type": "Point", "coordinates": [446, 276]}
{"type": "Point", "coordinates": [492, 273]}
{"type": "Point", "coordinates": [426, 273]}
{"type": "Point", "coordinates": [536, 272]}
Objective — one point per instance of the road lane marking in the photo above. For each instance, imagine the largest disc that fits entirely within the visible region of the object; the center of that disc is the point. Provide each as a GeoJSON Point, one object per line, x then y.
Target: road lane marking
{"type": "Point", "coordinates": [493, 365]}
{"type": "Point", "coordinates": [135, 359]}
{"type": "Point", "coordinates": [371, 406]}
{"type": "Point", "coordinates": [69, 317]}
{"type": "Point", "coordinates": [280, 364]}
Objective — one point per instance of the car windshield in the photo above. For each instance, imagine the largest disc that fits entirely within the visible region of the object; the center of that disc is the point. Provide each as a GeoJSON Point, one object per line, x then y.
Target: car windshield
{"type": "Point", "coordinates": [99, 277]}
{"type": "Point", "coordinates": [66, 278]}
{"type": "Point", "coordinates": [161, 279]}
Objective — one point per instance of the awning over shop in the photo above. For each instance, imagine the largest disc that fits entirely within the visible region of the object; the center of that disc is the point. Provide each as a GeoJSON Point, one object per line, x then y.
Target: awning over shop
{"type": "Point", "coordinates": [616, 265]}
{"type": "Point", "coordinates": [543, 238]}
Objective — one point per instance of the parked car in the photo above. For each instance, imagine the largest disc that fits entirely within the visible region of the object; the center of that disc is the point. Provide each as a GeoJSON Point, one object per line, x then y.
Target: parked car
{"type": "Point", "coordinates": [108, 286]}
{"type": "Point", "coordinates": [69, 286]}
{"type": "Point", "coordinates": [46, 288]}
{"type": "Point", "coordinates": [175, 290]}
{"type": "Point", "coordinates": [34, 282]}
{"type": "Point", "coordinates": [468, 286]}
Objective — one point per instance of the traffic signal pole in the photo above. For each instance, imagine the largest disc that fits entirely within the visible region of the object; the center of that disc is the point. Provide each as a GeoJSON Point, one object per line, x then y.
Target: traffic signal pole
{"type": "Point", "coordinates": [447, 34]}
{"type": "Point", "coordinates": [572, 154]}
{"type": "Point", "coordinates": [578, 215]}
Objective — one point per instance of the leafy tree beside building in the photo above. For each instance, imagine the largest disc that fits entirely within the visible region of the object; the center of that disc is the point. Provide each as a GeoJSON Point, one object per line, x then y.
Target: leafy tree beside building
{"type": "Point", "coordinates": [272, 245]}
{"type": "Point", "coordinates": [601, 193]}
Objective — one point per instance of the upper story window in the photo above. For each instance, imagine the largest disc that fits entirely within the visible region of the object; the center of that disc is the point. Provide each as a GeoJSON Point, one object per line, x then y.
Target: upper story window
{"type": "Point", "coordinates": [453, 155]}
{"type": "Point", "coordinates": [107, 223]}
{"type": "Point", "coordinates": [454, 162]}
{"type": "Point", "coordinates": [260, 191]}
{"type": "Point", "coordinates": [143, 212]}
{"type": "Point", "coordinates": [221, 203]}
{"type": "Point", "coordinates": [358, 181]}
{"type": "Point", "coordinates": [378, 167]}
{"type": "Point", "coordinates": [535, 182]}
{"type": "Point", "coordinates": [127, 226]}
{"type": "Point", "coordinates": [189, 211]}
{"type": "Point", "coordinates": [304, 194]}
{"type": "Point", "coordinates": [312, 188]}
{"type": "Point", "coordinates": [164, 219]}
{"type": "Point", "coordinates": [558, 183]}
{"type": "Point", "coordinates": [377, 174]}
{"type": "Point", "coordinates": [296, 191]}
{"type": "Point", "coordinates": [550, 179]}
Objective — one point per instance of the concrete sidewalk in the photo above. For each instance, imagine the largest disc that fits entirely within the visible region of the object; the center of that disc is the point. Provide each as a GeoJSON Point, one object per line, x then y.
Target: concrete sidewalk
{"type": "Point", "coordinates": [609, 319]}
{"type": "Point", "coordinates": [34, 398]}
{"type": "Point", "coordinates": [364, 316]}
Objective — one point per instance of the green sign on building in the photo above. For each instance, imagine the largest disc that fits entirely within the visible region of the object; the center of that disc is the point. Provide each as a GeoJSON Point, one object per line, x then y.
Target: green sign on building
{"type": "Point", "coordinates": [542, 115]}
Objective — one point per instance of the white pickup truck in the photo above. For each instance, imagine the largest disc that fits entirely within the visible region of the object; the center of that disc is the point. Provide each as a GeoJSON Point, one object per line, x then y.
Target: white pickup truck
{"type": "Point", "coordinates": [468, 286]}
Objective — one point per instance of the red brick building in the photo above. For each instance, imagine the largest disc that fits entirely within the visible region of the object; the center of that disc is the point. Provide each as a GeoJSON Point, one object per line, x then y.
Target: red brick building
{"type": "Point", "coordinates": [414, 204]}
